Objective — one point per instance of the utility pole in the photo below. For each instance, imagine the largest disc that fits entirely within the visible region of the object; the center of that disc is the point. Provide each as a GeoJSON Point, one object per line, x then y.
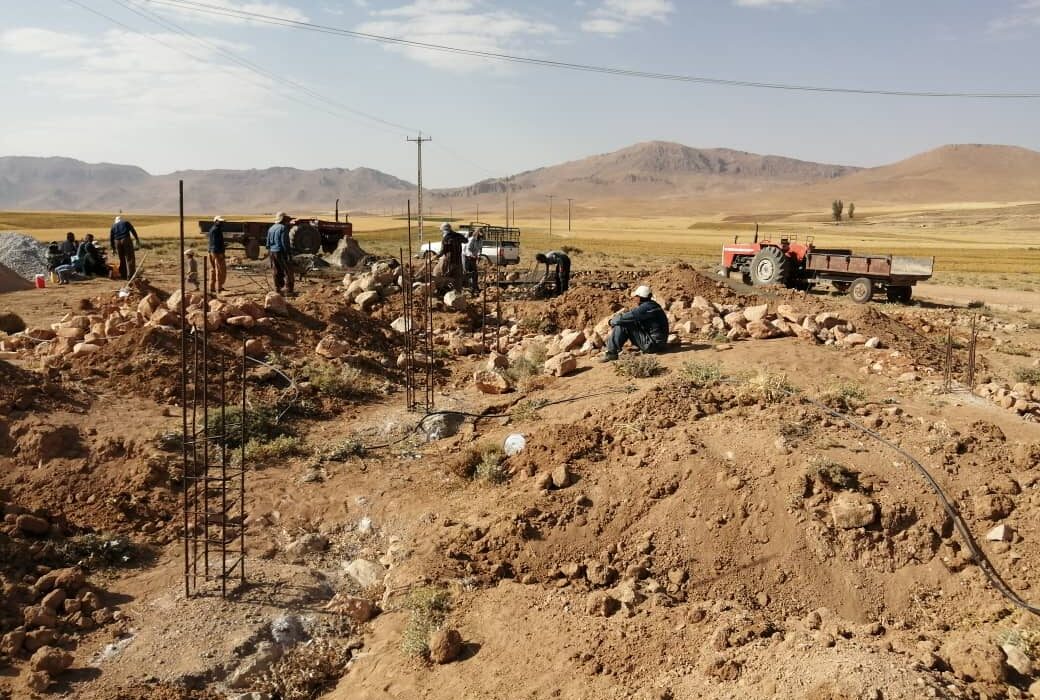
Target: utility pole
{"type": "Point", "coordinates": [569, 200]}
{"type": "Point", "coordinates": [337, 210]}
{"type": "Point", "coordinates": [550, 214]}
{"type": "Point", "coordinates": [419, 142]}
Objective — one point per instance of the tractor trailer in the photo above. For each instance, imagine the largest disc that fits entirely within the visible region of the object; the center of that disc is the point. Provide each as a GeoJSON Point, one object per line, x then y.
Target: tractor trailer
{"type": "Point", "coordinates": [801, 265]}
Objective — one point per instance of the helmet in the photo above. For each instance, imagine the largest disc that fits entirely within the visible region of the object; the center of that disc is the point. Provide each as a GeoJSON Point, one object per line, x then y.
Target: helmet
{"type": "Point", "coordinates": [643, 292]}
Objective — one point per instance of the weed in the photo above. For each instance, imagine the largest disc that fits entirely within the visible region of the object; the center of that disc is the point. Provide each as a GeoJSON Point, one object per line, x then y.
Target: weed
{"type": "Point", "coordinates": [261, 424]}
{"type": "Point", "coordinates": [97, 551]}
{"type": "Point", "coordinates": [527, 410]}
{"type": "Point", "coordinates": [700, 374]}
{"type": "Point", "coordinates": [765, 387]}
{"type": "Point", "coordinates": [428, 609]}
{"type": "Point", "coordinates": [844, 397]}
{"type": "Point", "coordinates": [1027, 641]}
{"type": "Point", "coordinates": [836, 476]}
{"type": "Point", "coordinates": [339, 451]}
{"type": "Point", "coordinates": [339, 382]}
{"type": "Point", "coordinates": [638, 366]}
{"type": "Point", "coordinates": [1029, 375]}
{"type": "Point", "coordinates": [530, 324]}
{"type": "Point", "coordinates": [307, 671]}
{"type": "Point", "coordinates": [530, 364]}
{"type": "Point", "coordinates": [277, 448]}
{"type": "Point", "coordinates": [1012, 349]}
{"type": "Point", "coordinates": [490, 468]}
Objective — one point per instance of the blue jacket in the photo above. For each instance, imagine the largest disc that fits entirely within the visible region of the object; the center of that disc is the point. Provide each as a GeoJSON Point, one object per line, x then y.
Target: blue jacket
{"type": "Point", "coordinates": [648, 316]}
{"type": "Point", "coordinates": [124, 229]}
{"type": "Point", "coordinates": [278, 239]}
{"type": "Point", "coordinates": [216, 237]}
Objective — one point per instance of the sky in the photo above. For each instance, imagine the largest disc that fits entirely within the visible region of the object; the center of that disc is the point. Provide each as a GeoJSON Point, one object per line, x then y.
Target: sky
{"type": "Point", "coordinates": [157, 84]}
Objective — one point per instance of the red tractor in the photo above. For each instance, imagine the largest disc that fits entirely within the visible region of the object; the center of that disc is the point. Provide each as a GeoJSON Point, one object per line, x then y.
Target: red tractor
{"type": "Point", "coordinates": [801, 265]}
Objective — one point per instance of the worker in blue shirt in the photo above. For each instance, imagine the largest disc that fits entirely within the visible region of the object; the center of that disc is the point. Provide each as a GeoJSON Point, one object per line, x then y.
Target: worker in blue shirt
{"type": "Point", "coordinates": [217, 262]}
{"type": "Point", "coordinates": [119, 238]}
{"type": "Point", "coordinates": [646, 326]}
{"type": "Point", "coordinates": [280, 252]}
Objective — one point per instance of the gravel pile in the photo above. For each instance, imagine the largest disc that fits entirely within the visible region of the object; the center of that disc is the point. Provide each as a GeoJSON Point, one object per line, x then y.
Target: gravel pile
{"type": "Point", "coordinates": [23, 254]}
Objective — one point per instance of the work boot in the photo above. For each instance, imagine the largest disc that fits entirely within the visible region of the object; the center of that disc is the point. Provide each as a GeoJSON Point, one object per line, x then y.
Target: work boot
{"type": "Point", "coordinates": [608, 357]}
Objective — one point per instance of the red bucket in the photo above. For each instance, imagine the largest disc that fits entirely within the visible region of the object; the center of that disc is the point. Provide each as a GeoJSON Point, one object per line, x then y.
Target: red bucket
{"type": "Point", "coordinates": [41, 281]}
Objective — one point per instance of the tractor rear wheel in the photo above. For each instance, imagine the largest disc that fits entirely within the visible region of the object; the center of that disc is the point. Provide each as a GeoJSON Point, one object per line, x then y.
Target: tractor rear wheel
{"type": "Point", "coordinates": [304, 239]}
{"type": "Point", "coordinates": [899, 295]}
{"type": "Point", "coordinates": [862, 290]}
{"type": "Point", "coordinates": [770, 266]}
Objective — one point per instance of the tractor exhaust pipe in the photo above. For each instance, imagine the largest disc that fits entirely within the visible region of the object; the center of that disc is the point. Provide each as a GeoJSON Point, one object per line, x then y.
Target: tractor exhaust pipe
{"type": "Point", "coordinates": [756, 233]}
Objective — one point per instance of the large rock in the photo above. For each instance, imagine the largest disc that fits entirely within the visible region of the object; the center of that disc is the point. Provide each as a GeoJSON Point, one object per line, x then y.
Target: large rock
{"type": "Point", "coordinates": [366, 301]}
{"type": "Point", "coordinates": [828, 319]}
{"type": "Point", "coordinates": [32, 524]}
{"type": "Point", "coordinates": [357, 609]}
{"type": "Point", "coordinates": [491, 382]}
{"type": "Point", "coordinates": [331, 347]}
{"type": "Point", "coordinates": [561, 365]}
{"type": "Point", "coordinates": [788, 313]}
{"type": "Point", "coordinates": [275, 303]}
{"type": "Point", "coordinates": [400, 324]}
{"type": "Point", "coordinates": [974, 658]}
{"type": "Point", "coordinates": [366, 573]}
{"type": "Point", "coordinates": [455, 301]}
{"type": "Point", "coordinates": [50, 660]}
{"type": "Point", "coordinates": [760, 330]}
{"type": "Point", "coordinates": [851, 510]}
{"type": "Point", "coordinates": [756, 313]}
{"type": "Point", "coordinates": [571, 341]}
{"type": "Point", "coordinates": [445, 646]}
{"type": "Point", "coordinates": [347, 254]}
{"type": "Point", "coordinates": [734, 319]}
{"type": "Point", "coordinates": [147, 306]}
{"type": "Point", "coordinates": [243, 321]}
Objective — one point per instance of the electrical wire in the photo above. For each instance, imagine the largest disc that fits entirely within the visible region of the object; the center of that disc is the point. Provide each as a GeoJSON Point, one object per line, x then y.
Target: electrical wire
{"type": "Point", "coordinates": [204, 8]}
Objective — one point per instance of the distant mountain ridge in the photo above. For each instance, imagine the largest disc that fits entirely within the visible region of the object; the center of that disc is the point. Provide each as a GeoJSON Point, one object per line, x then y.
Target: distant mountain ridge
{"type": "Point", "coordinates": [664, 175]}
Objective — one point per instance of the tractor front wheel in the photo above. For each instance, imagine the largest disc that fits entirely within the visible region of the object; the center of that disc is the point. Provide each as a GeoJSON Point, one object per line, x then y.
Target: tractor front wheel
{"type": "Point", "coordinates": [862, 290]}
{"type": "Point", "coordinates": [770, 266]}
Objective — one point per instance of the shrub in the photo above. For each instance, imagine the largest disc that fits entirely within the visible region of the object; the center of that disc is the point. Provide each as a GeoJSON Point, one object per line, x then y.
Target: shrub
{"type": "Point", "coordinates": [307, 671]}
{"type": "Point", "coordinates": [490, 467]}
{"type": "Point", "coordinates": [844, 397]}
{"type": "Point", "coordinates": [428, 607]}
{"type": "Point", "coordinates": [339, 382]}
{"type": "Point", "coordinates": [530, 364]}
{"type": "Point", "coordinates": [97, 550]}
{"type": "Point", "coordinates": [278, 448]}
{"type": "Point", "coordinates": [527, 410]}
{"type": "Point", "coordinates": [1029, 375]}
{"type": "Point", "coordinates": [765, 387]}
{"type": "Point", "coordinates": [700, 374]}
{"type": "Point", "coordinates": [261, 424]}
{"type": "Point", "coordinates": [638, 366]}
{"type": "Point", "coordinates": [339, 451]}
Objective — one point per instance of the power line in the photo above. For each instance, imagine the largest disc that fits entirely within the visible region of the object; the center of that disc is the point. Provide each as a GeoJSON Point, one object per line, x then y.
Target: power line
{"type": "Point", "coordinates": [204, 8]}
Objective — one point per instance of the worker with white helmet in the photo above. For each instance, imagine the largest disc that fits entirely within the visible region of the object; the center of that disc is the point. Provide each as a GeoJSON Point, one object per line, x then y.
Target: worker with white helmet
{"type": "Point", "coordinates": [646, 326]}
{"type": "Point", "coordinates": [121, 243]}
{"type": "Point", "coordinates": [451, 250]}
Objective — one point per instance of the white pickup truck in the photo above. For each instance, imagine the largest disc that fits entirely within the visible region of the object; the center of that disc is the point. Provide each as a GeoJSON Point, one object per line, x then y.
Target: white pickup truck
{"type": "Point", "coordinates": [501, 245]}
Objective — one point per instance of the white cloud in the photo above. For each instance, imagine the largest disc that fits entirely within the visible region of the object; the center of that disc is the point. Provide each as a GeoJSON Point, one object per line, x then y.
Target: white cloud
{"type": "Point", "coordinates": [467, 24]}
{"type": "Point", "coordinates": [779, 3]}
{"type": "Point", "coordinates": [271, 9]}
{"type": "Point", "coordinates": [132, 75]}
{"type": "Point", "coordinates": [613, 17]}
{"type": "Point", "coordinates": [1026, 16]}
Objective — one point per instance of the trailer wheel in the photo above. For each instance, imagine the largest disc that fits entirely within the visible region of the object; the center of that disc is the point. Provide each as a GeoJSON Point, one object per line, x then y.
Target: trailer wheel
{"type": "Point", "coordinates": [252, 248]}
{"type": "Point", "coordinates": [862, 290]}
{"type": "Point", "coordinates": [842, 287]}
{"type": "Point", "coordinates": [770, 266]}
{"type": "Point", "coordinates": [899, 295]}
{"type": "Point", "coordinates": [304, 239]}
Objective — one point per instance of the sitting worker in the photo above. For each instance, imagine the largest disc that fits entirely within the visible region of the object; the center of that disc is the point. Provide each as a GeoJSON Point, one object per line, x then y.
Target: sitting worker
{"type": "Point", "coordinates": [646, 326]}
{"type": "Point", "coordinates": [67, 273]}
{"type": "Point", "coordinates": [69, 246]}
{"type": "Point", "coordinates": [55, 256]}
{"type": "Point", "coordinates": [89, 259]}
{"type": "Point", "coordinates": [561, 274]}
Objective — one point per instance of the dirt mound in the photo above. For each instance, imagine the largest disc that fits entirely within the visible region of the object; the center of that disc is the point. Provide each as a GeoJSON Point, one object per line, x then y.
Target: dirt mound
{"type": "Point", "coordinates": [11, 281]}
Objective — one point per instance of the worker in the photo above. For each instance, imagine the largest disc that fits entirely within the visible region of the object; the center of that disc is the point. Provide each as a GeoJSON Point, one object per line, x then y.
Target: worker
{"type": "Point", "coordinates": [280, 251]}
{"type": "Point", "coordinates": [193, 267]}
{"type": "Point", "coordinates": [119, 238]}
{"type": "Point", "coordinates": [89, 259]}
{"type": "Point", "coordinates": [471, 257]}
{"type": "Point", "coordinates": [217, 262]}
{"type": "Point", "coordinates": [646, 326]}
{"type": "Point", "coordinates": [69, 246]}
{"type": "Point", "coordinates": [451, 250]}
{"type": "Point", "coordinates": [562, 274]}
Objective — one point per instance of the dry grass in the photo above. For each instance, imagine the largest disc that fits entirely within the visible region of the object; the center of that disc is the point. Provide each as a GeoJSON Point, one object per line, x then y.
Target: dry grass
{"type": "Point", "coordinates": [700, 374]}
{"type": "Point", "coordinates": [638, 366]}
{"type": "Point", "coordinates": [428, 608]}
{"type": "Point", "coordinates": [765, 387]}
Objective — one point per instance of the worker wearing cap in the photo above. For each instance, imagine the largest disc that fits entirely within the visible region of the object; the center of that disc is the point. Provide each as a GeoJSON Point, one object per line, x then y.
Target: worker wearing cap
{"type": "Point", "coordinates": [193, 267]}
{"type": "Point", "coordinates": [451, 250]}
{"type": "Point", "coordinates": [646, 326]}
{"type": "Point", "coordinates": [562, 274]}
{"type": "Point", "coordinates": [119, 239]}
{"type": "Point", "coordinates": [280, 253]}
{"type": "Point", "coordinates": [217, 261]}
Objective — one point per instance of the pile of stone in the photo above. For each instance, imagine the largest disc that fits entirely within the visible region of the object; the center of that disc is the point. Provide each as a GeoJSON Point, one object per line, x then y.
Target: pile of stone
{"type": "Point", "coordinates": [367, 290]}
{"type": "Point", "coordinates": [1021, 398]}
{"type": "Point", "coordinates": [23, 254]}
{"type": "Point", "coordinates": [80, 334]}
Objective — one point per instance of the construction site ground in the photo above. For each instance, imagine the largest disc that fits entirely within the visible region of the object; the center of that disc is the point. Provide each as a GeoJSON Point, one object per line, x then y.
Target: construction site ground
{"type": "Point", "coordinates": [657, 537]}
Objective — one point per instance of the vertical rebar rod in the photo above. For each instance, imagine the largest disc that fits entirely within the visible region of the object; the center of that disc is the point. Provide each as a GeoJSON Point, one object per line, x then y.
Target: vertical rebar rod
{"type": "Point", "coordinates": [184, 396]}
{"type": "Point", "coordinates": [205, 416]}
{"type": "Point", "coordinates": [242, 478]}
{"type": "Point", "coordinates": [428, 334]}
{"type": "Point", "coordinates": [195, 351]}
{"type": "Point", "coordinates": [223, 476]}
{"type": "Point", "coordinates": [971, 353]}
{"type": "Point", "coordinates": [498, 310]}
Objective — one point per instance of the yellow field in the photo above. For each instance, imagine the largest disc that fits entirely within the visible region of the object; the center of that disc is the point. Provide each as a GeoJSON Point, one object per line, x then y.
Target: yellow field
{"type": "Point", "coordinates": [967, 240]}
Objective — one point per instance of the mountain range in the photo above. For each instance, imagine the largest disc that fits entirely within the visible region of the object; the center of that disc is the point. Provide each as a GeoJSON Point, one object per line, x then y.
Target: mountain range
{"type": "Point", "coordinates": [655, 175]}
